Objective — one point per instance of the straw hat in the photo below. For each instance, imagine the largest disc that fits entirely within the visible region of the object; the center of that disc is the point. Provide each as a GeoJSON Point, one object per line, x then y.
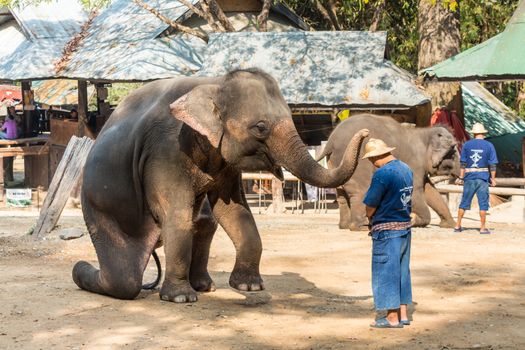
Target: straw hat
{"type": "Point", "coordinates": [376, 147]}
{"type": "Point", "coordinates": [478, 128]}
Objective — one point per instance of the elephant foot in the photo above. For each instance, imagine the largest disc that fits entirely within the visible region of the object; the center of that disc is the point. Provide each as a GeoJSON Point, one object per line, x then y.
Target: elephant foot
{"type": "Point", "coordinates": [178, 293]}
{"type": "Point", "coordinates": [246, 282]}
{"type": "Point", "coordinates": [202, 282]}
{"type": "Point", "coordinates": [358, 227]}
{"type": "Point", "coordinates": [344, 225]}
{"type": "Point", "coordinates": [447, 223]}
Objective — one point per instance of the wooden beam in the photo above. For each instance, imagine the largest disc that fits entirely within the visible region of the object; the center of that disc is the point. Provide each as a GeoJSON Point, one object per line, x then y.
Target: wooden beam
{"type": "Point", "coordinates": [82, 107]}
{"type": "Point", "coordinates": [66, 177]}
{"type": "Point", "coordinates": [500, 191]}
{"type": "Point", "coordinates": [27, 107]}
{"type": "Point", "coordinates": [24, 151]}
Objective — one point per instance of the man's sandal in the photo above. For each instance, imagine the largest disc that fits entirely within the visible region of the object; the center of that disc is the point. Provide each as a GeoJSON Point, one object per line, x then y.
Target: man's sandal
{"type": "Point", "coordinates": [405, 322]}
{"type": "Point", "coordinates": [383, 323]}
{"type": "Point", "coordinates": [458, 229]}
{"type": "Point", "coordinates": [485, 232]}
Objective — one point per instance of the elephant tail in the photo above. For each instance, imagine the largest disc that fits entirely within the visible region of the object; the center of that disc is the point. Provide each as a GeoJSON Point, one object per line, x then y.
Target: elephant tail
{"type": "Point", "coordinates": [155, 283]}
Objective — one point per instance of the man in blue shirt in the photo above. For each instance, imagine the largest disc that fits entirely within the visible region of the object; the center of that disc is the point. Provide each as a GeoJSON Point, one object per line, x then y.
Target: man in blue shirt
{"type": "Point", "coordinates": [478, 168]}
{"type": "Point", "coordinates": [388, 205]}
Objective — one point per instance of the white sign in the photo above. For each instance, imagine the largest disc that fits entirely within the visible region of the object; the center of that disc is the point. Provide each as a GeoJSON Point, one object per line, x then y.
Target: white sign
{"type": "Point", "coordinates": [18, 197]}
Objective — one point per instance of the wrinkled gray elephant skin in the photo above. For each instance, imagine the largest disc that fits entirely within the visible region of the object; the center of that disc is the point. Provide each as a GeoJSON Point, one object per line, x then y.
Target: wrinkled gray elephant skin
{"type": "Point", "coordinates": [166, 169]}
{"type": "Point", "coordinates": [428, 152]}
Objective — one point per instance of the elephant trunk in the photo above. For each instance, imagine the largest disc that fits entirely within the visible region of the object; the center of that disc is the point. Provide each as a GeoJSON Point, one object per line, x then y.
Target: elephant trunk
{"type": "Point", "coordinates": [290, 152]}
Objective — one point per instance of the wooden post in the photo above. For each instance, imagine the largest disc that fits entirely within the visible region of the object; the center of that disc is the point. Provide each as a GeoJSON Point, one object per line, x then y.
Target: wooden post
{"type": "Point", "coordinates": [1, 179]}
{"type": "Point", "coordinates": [83, 129]}
{"type": "Point", "coordinates": [28, 107]}
{"type": "Point", "coordinates": [523, 155]}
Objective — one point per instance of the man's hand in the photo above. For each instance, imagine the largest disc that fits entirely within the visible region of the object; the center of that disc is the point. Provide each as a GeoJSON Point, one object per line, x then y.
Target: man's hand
{"type": "Point", "coordinates": [459, 181]}
{"type": "Point", "coordinates": [493, 182]}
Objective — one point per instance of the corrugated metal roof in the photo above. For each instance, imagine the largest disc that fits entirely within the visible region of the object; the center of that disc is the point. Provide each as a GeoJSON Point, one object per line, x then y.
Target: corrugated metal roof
{"type": "Point", "coordinates": [480, 106]}
{"type": "Point", "coordinates": [51, 19]}
{"type": "Point", "coordinates": [123, 45]}
{"type": "Point", "coordinates": [58, 92]}
{"type": "Point", "coordinates": [318, 68]}
{"type": "Point", "coordinates": [10, 39]}
{"type": "Point", "coordinates": [48, 27]}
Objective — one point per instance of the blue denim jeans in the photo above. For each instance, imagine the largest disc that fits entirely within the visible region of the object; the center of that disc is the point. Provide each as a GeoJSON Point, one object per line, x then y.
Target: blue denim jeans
{"type": "Point", "coordinates": [391, 283]}
{"type": "Point", "coordinates": [477, 187]}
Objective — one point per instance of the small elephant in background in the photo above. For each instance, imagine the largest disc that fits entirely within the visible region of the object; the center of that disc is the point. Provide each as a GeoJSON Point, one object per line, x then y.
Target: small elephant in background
{"type": "Point", "coordinates": [166, 169]}
{"type": "Point", "coordinates": [428, 151]}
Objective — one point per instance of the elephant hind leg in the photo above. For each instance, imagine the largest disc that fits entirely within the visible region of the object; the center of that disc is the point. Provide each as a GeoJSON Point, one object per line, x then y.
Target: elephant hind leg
{"type": "Point", "coordinates": [344, 209]}
{"type": "Point", "coordinates": [122, 260]}
{"type": "Point", "coordinates": [358, 220]}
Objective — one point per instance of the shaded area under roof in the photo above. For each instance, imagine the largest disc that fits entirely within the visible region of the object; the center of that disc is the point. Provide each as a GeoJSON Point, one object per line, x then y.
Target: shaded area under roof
{"type": "Point", "coordinates": [345, 69]}
{"type": "Point", "coordinates": [502, 57]}
{"type": "Point", "coordinates": [505, 129]}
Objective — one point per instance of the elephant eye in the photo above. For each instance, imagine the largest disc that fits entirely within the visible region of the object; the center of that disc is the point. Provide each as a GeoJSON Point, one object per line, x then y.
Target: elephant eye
{"type": "Point", "coordinates": [260, 129]}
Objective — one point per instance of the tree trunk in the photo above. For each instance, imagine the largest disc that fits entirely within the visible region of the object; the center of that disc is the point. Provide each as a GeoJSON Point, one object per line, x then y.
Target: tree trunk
{"type": "Point", "coordinates": [439, 39]}
{"type": "Point", "coordinates": [217, 12]}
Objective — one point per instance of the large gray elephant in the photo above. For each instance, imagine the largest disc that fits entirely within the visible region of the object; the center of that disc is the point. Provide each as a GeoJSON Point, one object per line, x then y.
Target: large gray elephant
{"type": "Point", "coordinates": [167, 167]}
{"type": "Point", "coordinates": [428, 151]}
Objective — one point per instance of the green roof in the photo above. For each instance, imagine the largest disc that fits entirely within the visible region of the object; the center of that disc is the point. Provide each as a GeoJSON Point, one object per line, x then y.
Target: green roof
{"type": "Point", "coordinates": [480, 106]}
{"type": "Point", "coordinates": [502, 57]}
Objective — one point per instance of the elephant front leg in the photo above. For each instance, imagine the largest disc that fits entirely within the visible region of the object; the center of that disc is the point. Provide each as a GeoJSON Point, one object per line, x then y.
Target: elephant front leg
{"type": "Point", "coordinates": [436, 202]}
{"type": "Point", "coordinates": [239, 224]}
{"type": "Point", "coordinates": [177, 237]}
{"type": "Point", "coordinates": [204, 228]}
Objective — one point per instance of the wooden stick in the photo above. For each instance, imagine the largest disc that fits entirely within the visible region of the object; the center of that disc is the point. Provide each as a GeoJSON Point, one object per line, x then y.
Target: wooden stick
{"type": "Point", "coordinates": [219, 14]}
{"type": "Point", "coordinates": [171, 23]}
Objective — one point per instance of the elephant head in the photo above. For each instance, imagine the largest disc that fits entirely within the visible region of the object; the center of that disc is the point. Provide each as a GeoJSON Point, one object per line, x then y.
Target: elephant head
{"type": "Point", "coordinates": [442, 152]}
{"type": "Point", "coordinates": [245, 117]}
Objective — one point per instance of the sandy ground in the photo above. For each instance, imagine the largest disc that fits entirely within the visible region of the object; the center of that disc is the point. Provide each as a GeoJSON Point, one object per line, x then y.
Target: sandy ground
{"type": "Point", "coordinates": [468, 292]}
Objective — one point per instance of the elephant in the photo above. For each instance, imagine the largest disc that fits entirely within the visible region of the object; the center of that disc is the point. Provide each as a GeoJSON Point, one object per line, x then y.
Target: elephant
{"type": "Point", "coordinates": [166, 168]}
{"type": "Point", "coordinates": [430, 152]}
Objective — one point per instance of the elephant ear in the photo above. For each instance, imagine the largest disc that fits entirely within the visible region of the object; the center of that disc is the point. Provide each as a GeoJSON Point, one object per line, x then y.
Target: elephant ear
{"type": "Point", "coordinates": [198, 110]}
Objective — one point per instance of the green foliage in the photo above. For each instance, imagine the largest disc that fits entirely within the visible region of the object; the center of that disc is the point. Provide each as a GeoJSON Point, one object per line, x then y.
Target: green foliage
{"type": "Point", "coordinates": [118, 91]}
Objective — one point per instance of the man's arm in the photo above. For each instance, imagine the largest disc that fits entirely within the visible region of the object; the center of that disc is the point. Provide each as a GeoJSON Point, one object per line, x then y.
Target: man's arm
{"type": "Point", "coordinates": [370, 211]}
{"type": "Point", "coordinates": [459, 180]}
{"type": "Point", "coordinates": [493, 162]}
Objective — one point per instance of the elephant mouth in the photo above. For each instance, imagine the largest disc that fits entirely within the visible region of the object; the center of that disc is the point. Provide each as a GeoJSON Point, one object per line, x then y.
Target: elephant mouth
{"type": "Point", "coordinates": [261, 161]}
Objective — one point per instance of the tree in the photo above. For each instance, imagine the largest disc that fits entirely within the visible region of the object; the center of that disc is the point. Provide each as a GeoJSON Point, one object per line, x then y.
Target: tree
{"type": "Point", "coordinates": [439, 39]}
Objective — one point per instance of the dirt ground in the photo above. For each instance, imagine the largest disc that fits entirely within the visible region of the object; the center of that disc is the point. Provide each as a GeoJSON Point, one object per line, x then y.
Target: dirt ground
{"type": "Point", "coordinates": [468, 290]}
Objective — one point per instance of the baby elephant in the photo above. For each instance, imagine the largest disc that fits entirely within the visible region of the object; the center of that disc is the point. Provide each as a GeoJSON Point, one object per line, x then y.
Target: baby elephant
{"type": "Point", "coordinates": [166, 168]}
{"type": "Point", "coordinates": [428, 152]}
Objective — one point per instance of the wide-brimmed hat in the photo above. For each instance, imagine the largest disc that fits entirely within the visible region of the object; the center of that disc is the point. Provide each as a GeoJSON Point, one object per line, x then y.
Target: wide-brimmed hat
{"type": "Point", "coordinates": [478, 128]}
{"type": "Point", "coordinates": [376, 147]}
